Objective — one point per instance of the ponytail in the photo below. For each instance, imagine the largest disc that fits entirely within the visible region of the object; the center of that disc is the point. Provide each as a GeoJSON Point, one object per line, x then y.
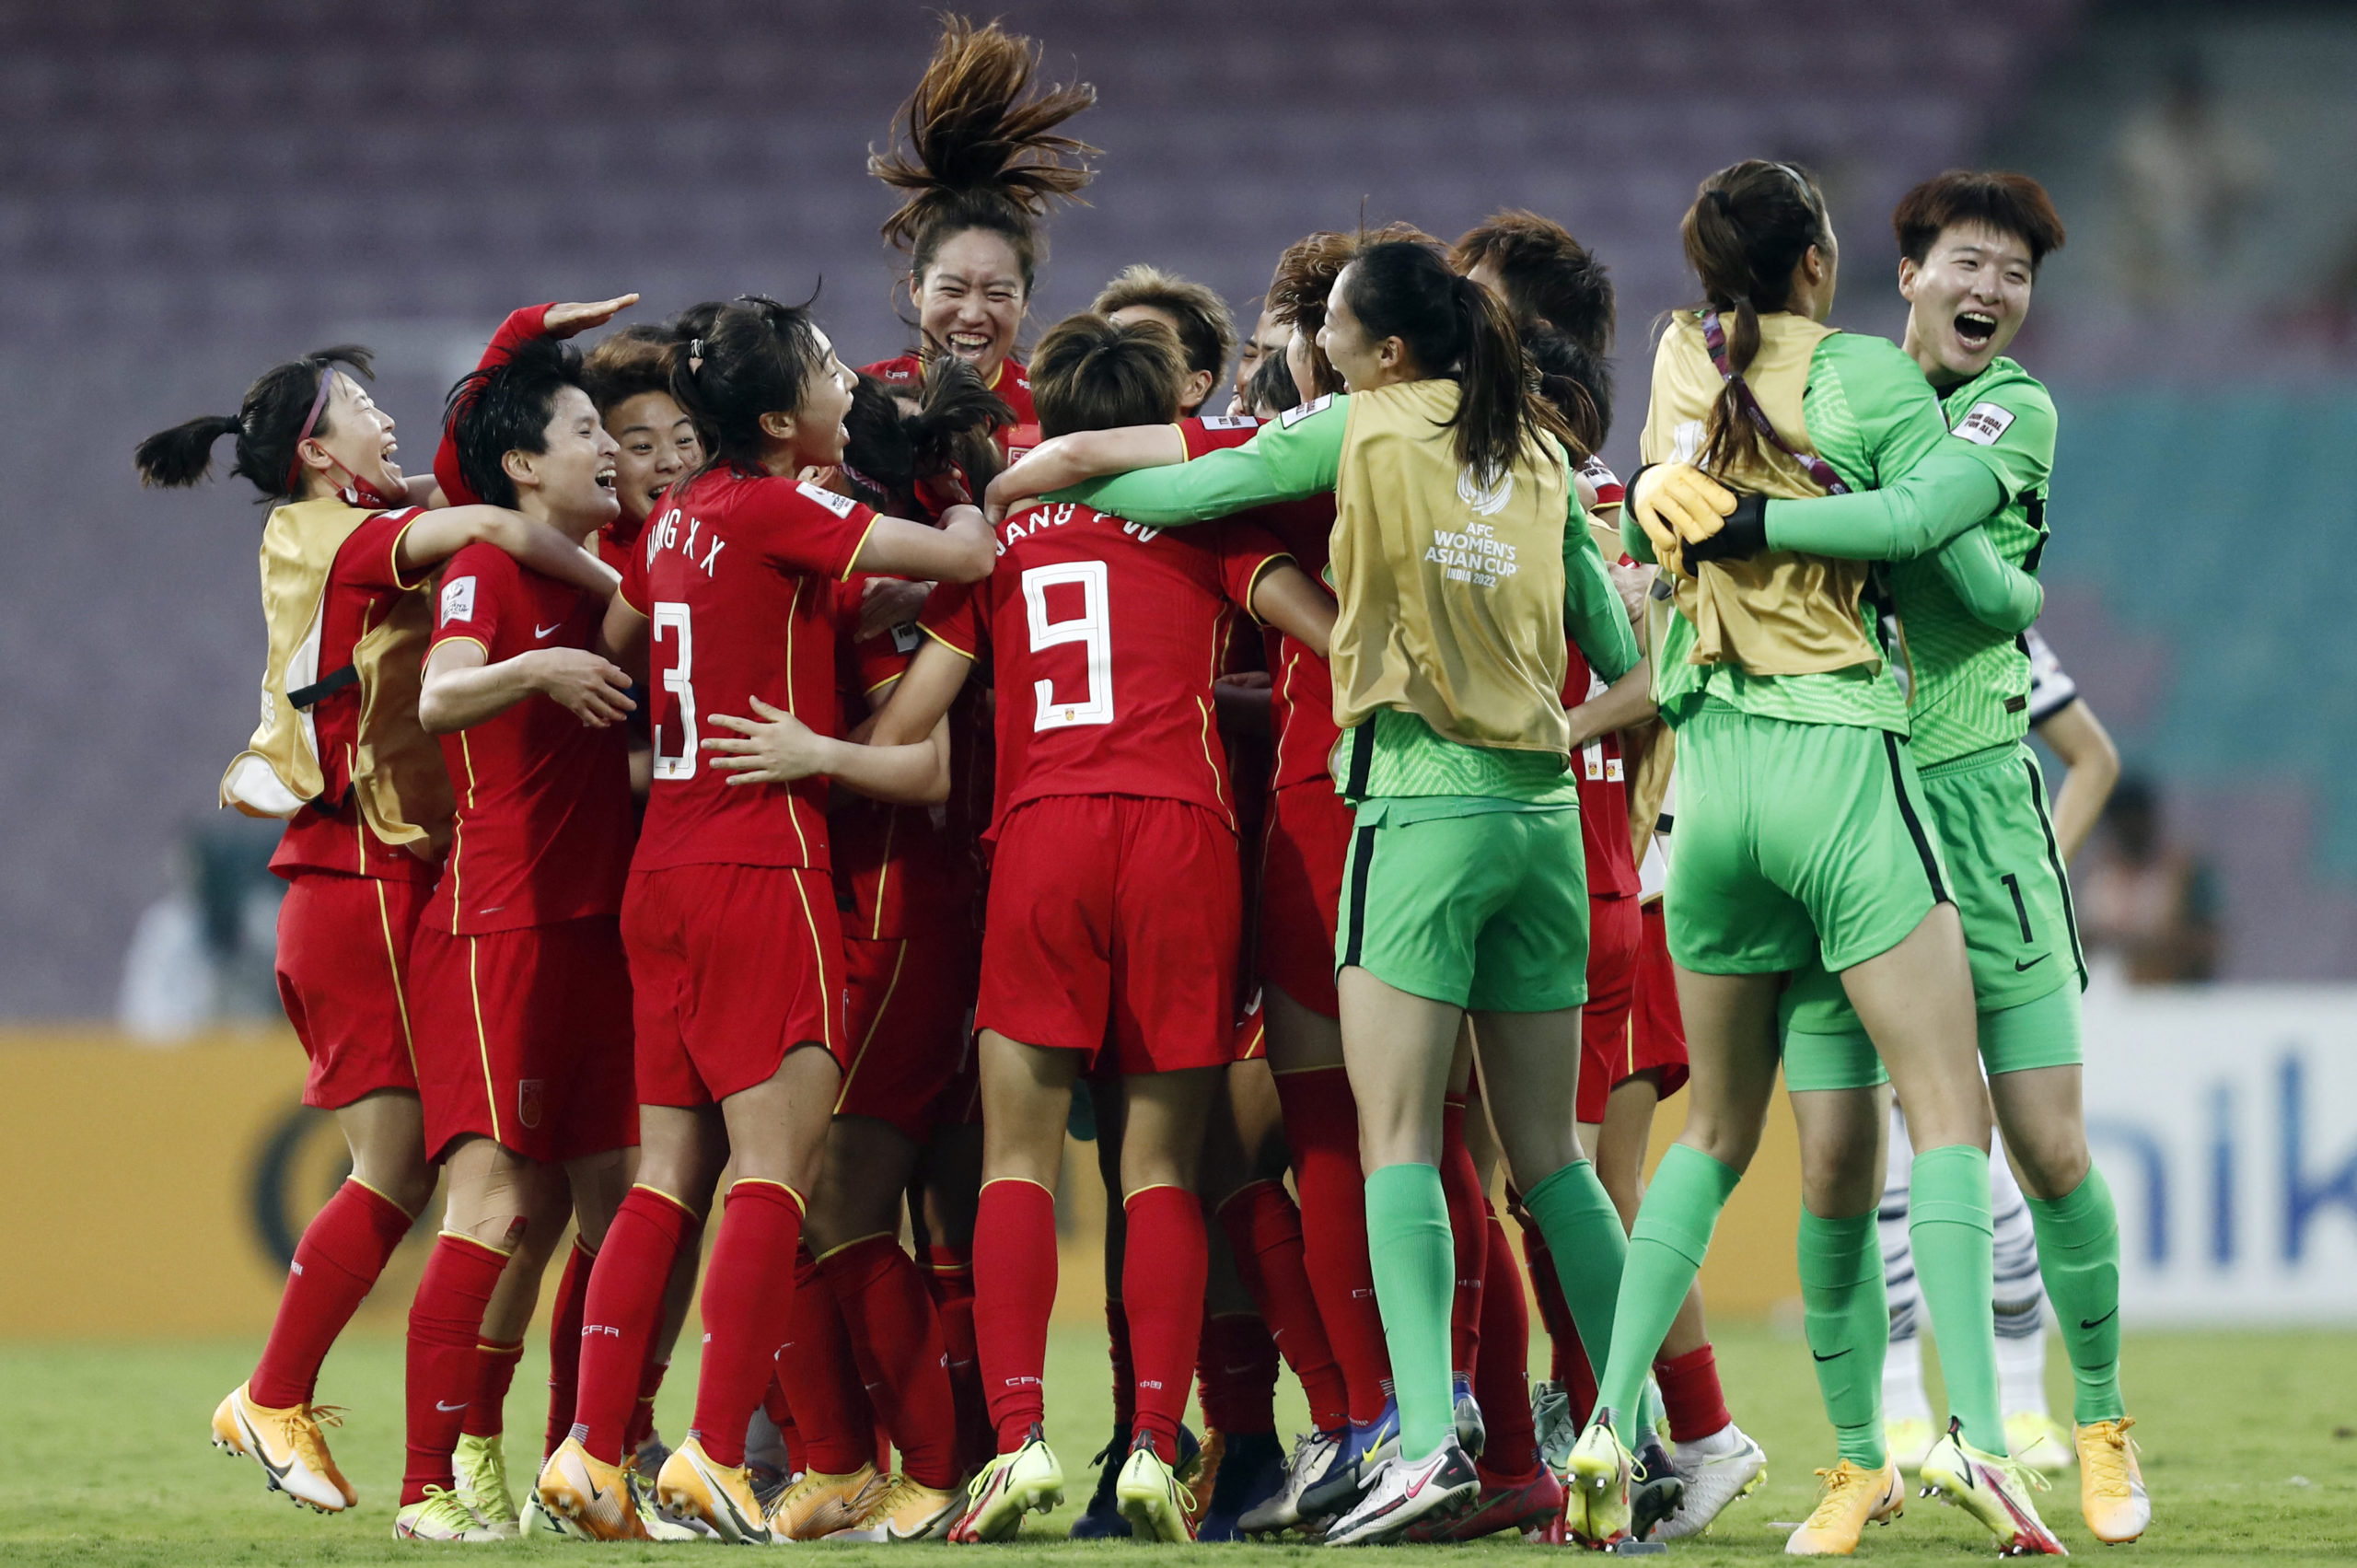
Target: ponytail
{"type": "Point", "coordinates": [1749, 226]}
{"type": "Point", "coordinates": [285, 406]}
{"type": "Point", "coordinates": [752, 356]}
{"type": "Point", "coordinates": [1452, 325]}
{"type": "Point", "coordinates": [1576, 381]}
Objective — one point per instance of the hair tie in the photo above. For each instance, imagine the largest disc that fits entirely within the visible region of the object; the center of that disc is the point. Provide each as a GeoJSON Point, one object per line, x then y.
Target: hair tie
{"type": "Point", "coordinates": [695, 348]}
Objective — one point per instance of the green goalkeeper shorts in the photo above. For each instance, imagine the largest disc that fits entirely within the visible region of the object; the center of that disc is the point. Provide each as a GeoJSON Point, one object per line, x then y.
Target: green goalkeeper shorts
{"type": "Point", "coordinates": [1823, 1046]}
{"type": "Point", "coordinates": [1472, 901]}
{"type": "Point", "coordinates": [1796, 843]}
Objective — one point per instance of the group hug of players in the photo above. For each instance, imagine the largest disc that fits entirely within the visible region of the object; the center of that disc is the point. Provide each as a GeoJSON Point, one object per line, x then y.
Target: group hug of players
{"type": "Point", "coordinates": [728, 764]}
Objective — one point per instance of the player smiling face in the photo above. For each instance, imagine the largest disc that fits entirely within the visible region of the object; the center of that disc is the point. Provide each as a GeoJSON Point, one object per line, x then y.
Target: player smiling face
{"type": "Point", "coordinates": [970, 299]}
{"type": "Point", "coordinates": [658, 444]}
{"type": "Point", "coordinates": [816, 429]}
{"type": "Point", "coordinates": [572, 476]}
{"type": "Point", "coordinates": [1967, 298]}
{"type": "Point", "coordinates": [357, 444]}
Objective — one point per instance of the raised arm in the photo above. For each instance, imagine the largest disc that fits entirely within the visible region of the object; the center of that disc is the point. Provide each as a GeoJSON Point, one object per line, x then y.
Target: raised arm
{"type": "Point", "coordinates": [1285, 462]}
{"type": "Point", "coordinates": [1951, 490]}
{"type": "Point", "coordinates": [433, 537]}
{"type": "Point", "coordinates": [520, 328]}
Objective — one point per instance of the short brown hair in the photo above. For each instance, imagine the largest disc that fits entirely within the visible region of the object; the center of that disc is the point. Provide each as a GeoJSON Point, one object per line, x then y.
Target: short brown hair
{"type": "Point", "coordinates": [1305, 277]}
{"type": "Point", "coordinates": [636, 359]}
{"type": "Point", "coordinates": [1206, 331]}
{"type": "Point", "coordinates": [1092, 373]}
{"type": "Point", "coordinates": [2010, 203]}
{"type": "Point", "coordinates": [1550, 278]}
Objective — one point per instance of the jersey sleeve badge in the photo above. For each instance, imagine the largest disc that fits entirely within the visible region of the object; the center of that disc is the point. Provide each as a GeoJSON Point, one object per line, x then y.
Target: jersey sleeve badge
{"type": "Point", "coordinates": [1294, 417]}
{"type": "Point", "coordinates": [458, 599]}
{"type": "Point", "coordinates": [840, 505]}
{"type": "Point", "coordinates": [1985, 423]}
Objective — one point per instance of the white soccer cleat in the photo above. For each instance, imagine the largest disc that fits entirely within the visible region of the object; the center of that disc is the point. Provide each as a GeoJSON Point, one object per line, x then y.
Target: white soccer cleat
{"type": "Point", "coordinates": [1314, 1453]}
{"type": "Point", "coordinates": [289, 1446]}
{"type": "Point", "coordinates": [1717, 1470]}
{"type": "Point", "coordinates": [1402, 1491]}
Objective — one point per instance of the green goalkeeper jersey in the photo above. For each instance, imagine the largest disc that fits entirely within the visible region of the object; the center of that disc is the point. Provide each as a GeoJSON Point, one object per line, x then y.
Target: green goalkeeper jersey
{"type": "Point", "coordinates": [1969, 683]}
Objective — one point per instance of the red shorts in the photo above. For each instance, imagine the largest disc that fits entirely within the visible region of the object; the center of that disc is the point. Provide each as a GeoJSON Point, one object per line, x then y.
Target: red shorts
{"type": "Point", "coordinates": [1252, 1029]}
{"type": "Point", "coordinates": [907, 1012]}
{"type": "Point", "coordinates": [344, 978]}
{"type": "Point", "coordinates": [1301, 891]}
{"type": "Point", "coordinates": [524, 1038]}
{"type": "Point", "coordinates": [731, 967]}
{"type": "Point", "coordinates": [1631, 1024]}
{"type": "Point", "coordinates": [1115, 921]}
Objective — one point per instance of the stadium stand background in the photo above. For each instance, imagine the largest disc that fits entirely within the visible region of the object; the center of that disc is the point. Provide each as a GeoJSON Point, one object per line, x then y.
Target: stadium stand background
{"type": "Point", "coordinates": [193, 191]}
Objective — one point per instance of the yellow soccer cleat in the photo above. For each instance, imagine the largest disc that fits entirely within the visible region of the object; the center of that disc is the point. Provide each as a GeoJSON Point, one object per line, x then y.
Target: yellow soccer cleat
{"type": "Point", "coordinates": [481, 1466]}
{"type": "Point", "coordinates": [1027, 1480]}
{"type": "Point", "coordinates": [1595, 1494]}
{"type": "Point", "coordinates": [2111, 1484]}
{"type": "Point", "coordinates": [904, 1511]}
{"type": "Point", "coordinates": [692, 1486]}
{"type": "Point", "coordinates": [289, 1446]}
{"type": "Point", "coordinates": [818, 1505]}
{"type": "Point", "coordinates": [2036, 1441]}
{"type": "Point", "coordinates": [1150, 1498]}
{"type": "Point", "coordinates": [1850, 1497]}
{"type": "Point", "coordinates": [1908, 1441]}
{"type": "Point", "coordinates": [592, 1497]}
{"type": "Point", "coordinates": [440, 1516]}
{"type": "Point", "coordinates": [1993, 1490]}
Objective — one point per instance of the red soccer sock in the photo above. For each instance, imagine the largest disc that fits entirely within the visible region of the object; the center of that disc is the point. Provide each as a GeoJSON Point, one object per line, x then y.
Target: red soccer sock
{"type": "Point", "coordinates": [1125, 1364]}
{"type": "Point", "coordinates": [1322, 1130]}
{"type": "Point", "coordinates": [1264, 1234]}
{"type": "Point", "coordinates": [1691, 1394]}
{"type": "Point", "coordinates": [1014, 1290]}
{"type": "Point", "coordinates": [949, 1274]}
{"type": "Point", "coordinates": [565, 1343]}
{"type": "Point", "coordinates": [1162, 1282]}
{"type": "Point", "coordinates": [748, 1311]}
{"type": "Point", "coordinates": [445, 1322]}
{"type": "Point", "coordinates": [622, 1312]}
{"type": "Point", "coordinates": [1567, 1363]}
{"type": "Point", "coordinates": [494, 1375]}
{"type": "Point", "coordinates": [820, 1379]}
{"type": "Point", "coordinates": [1237, 1366]}
{"type": "Point", "coordinates": [343, 1249]}
{"type": "Point", "coordinates": [1468, 1228]}
{"type": "Point", "coordinates": [894, 1328]}
{"type": "Point", "coordinates": [1499, 1382]}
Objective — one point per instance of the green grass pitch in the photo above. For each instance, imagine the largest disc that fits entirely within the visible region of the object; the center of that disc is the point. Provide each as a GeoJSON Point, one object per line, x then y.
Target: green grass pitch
{"type": "Point", "coordinates": [2250, 1451]}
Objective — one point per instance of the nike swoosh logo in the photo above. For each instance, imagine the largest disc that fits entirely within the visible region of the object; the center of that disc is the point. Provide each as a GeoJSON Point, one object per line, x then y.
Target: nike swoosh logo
{"type": "Point", "coordinates": [446, 1408]}
{"type": "Point", "coordinates": [540, 631]}
{"type": "Point", "coordinates": [2101, 1321]}
{"type": "Point", "coordinates": [2020, 966]}
{"type": "Point", "coordinates": [278, 1472]}
{"type": "Point", "coordinates": [1835, 1356]}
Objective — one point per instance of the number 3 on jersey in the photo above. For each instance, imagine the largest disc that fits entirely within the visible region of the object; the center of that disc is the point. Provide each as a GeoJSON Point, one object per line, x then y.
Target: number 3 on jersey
{"type": "Point", "coordinates": [672, 625]}
{"type": "Point", "coordinates": [1092, 628]}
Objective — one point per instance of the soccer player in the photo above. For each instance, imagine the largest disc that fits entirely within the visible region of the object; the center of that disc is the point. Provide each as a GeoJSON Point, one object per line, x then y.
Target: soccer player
{"type": "Point", "coordinates": [366, 801]}
{"type": "Point", "coordinates": [1265, 342]}
{"type": "Point", "coordinates": [1466, 888]}
{"type": "Point", "coordinates": [1196, 316]}
{"type": "Point", "coordinates": [1128, 952]}
{"type": "Point", "coordinates": [729, 921]}
{"type": "Point", "coordinates": [521, 991]}
{"type": "Point", "coordinates": [1786, 718]}
{"type": "Point", "coordinates": [981, 159]}
{"type": "Point", "coordinates": [1970, 245]}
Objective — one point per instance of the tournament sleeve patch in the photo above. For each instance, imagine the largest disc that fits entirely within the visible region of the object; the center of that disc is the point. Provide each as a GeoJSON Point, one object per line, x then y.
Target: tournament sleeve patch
{"type": "Point", "coordinates": [1983, 423]}
{"type": "Point", "coordinates": [840, 505]}
{"type": "Point", "coordinates": [458, 599]}
{"type": "Point", "coordinates": [1294, 417]}
{"type": "Point", "coordinates": [1231, 421]}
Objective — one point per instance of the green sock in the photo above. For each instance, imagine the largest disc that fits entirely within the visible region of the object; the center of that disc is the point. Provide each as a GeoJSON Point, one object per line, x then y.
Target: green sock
{"type": "Point", "coordinates": [1415, 1280]}
{"type": "Point", "coordinates": [1583, 1234]}
{"type": "Point", "coordinates": [1847, 1318]}
{"type": "Point", "coordinates": [1949, 1228]}
{"type": "Point", "coordinates": [1672, 1233]}
{"type": "Point", "coordinates": [2078, 1251]}
{"type": "Point", "coordinates": [1649, 1407]}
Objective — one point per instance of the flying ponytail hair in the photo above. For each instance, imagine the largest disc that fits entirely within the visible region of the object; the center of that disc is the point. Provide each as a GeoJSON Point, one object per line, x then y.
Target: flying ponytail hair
{"type": "Point", "coordinates": [1451, 325]}
{"type": "Point", "coordinates": [286, 406]}
{"type": "Point", "coordinates": [1749, 226]}
{"type": "Point", "coordinates": [978, 147]}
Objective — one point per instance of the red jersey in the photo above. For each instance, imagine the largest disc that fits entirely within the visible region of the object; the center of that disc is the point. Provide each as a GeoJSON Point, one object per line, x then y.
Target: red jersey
{"type": "Point", "coordinates": [1301, 701]}
{"type": "Point", "coordinates": [1105, 636]}
{"type": "Point", "coordinates": [617, 540]}
{"type": "Point", "coordinates": [361, 589]}
{"type": "Point", "coordinates": [1604, 795]}
{"type": "Point", "coordinates": [543, 827]}
{"type": "Point", "coordinates": [896, 868]}
{"type": "Point", "coordinates": [520, 328]}
{"type": "Point", "coordinates": [1610, 492]}
{"type": "Point", "coordinates": [1013, 384]}
{"type": "Point", "coordinates": [738, 571]}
